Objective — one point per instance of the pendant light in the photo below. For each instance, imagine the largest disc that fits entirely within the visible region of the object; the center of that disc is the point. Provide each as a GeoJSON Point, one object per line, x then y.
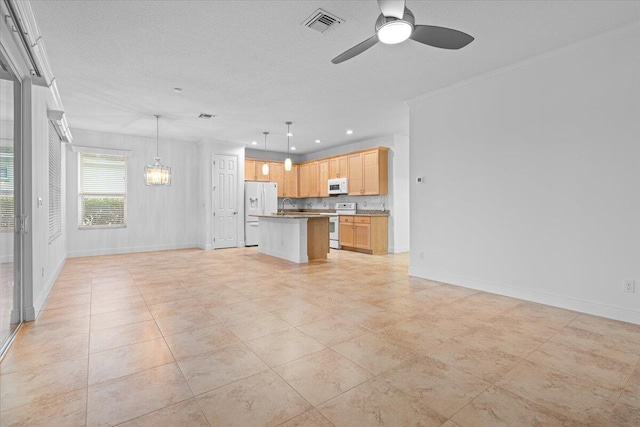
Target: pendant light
{"type": "Point", "coordinates": [265, 166]}
{"type": "Point", "coordinates": [157, 174]}
{"type": "Point", "coordinates": [287, 161]}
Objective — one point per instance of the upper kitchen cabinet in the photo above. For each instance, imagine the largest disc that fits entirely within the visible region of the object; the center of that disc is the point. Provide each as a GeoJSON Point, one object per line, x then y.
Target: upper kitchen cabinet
{"type": "Point", "coordinates": [323, 178]}
{"type": "Point", "coordinates": [249, 170]}
{"type": "Point", "coordinates": [368, 172]}
{"type": "Point", "coordinates": [338, 167]}
{"type": "Point", "coordinates": [308, 183]}
{"type": "Point", "coordinates": [253, 170]}
{"type": "Point", "coordinates": [276, 174]}
{"type": "Point", "coordinates": [291, 182]}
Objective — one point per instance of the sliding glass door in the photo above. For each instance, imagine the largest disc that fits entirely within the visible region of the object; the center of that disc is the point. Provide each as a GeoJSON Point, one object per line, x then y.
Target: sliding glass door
{"type": "Point", "coordinates": [11, 295]}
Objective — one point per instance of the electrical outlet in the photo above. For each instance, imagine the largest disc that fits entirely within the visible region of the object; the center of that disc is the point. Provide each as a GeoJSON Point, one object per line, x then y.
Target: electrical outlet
{"type": "Point", "coordinates": [629, 286]}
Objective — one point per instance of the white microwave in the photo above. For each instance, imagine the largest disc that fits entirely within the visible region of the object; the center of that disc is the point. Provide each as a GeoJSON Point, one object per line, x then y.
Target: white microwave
{"type": "Point", "coordinates": [338, 186]}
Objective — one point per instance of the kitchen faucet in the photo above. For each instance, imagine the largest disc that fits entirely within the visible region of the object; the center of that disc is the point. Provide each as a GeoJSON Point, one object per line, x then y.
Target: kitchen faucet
{"type": "Point", "coordinates": [284, 200]}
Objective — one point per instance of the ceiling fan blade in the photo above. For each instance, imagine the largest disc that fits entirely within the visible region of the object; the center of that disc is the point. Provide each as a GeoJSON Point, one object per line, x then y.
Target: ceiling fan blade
{"type": "Point", "coordinates": [444, 38]}
{"type": "Point", "coordinates": [356, 50]}
{"type": "Point", "coordinates": [394, 8]}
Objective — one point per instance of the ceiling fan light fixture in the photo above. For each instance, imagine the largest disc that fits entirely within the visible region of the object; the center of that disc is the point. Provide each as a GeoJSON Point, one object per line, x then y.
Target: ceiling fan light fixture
{"type": "Point", "coordinates": [394, 32]}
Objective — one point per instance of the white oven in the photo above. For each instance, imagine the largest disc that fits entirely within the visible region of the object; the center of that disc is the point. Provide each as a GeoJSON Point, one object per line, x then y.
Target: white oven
{"type": "Point", "coordinates": [334, 232]}
{"type": "Point", "coordinates": [338, 186]}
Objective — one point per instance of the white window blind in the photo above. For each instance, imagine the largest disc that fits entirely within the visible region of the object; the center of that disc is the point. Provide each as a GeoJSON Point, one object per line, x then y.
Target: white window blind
{"type": "Point", "coordinates": [55, 184]}
{"type": "Point", "coordinates": [103, 188]}
{"type": "Point", "coordinates": [7, 215]}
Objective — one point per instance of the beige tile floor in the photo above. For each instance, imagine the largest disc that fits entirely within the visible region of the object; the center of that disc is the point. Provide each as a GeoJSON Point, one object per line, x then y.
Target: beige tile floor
{"type": "Point", "coordinates": [236, 338]}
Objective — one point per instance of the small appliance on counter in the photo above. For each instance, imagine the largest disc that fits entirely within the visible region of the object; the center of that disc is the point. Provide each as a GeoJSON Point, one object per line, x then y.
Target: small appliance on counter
{"type": "Point", "coordinates": [260, 198]}
{"type": "Point", "coordinates": [338, 186]}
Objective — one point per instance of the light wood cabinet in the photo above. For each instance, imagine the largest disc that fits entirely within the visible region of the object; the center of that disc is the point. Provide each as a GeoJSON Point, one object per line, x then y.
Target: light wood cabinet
{"type": "Point", "coordinates": [364, 233]}
{"type": "Point", "coordinates": [338, 167]}
{"type": "Point", "coordinates": [276, 174]}
{"type": "Point", "coordinates": [323, 178]}
{"type": "Point", "coordinates": [368, 172]}
{"type": "Point", "coordinates": [346, 231]}
{"type": "Point", "coordinates": [249, 170]}
{"type": "Point", "coordinates": [308, 182]}
{"type": "Point", "coordinates": [253, 170]}
{"type": "Point", "coordinates": [355, 182]}
{"type": "Point", "coordinates": [291, 182]}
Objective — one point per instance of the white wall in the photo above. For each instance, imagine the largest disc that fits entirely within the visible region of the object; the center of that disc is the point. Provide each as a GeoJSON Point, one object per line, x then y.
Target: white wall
{"type": "Point", "coordinates": [399, 194]}
{"type": "Point", "coordinates": [532, 179]}
{"type": "Point", "coordinates": [206, 150]}
{"type": "Point", "coordinates": [158, 218]}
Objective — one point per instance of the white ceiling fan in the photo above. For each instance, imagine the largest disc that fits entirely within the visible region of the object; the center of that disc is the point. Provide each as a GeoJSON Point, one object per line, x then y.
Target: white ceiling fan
{"type": "Point", "coordinates": [396, 23]}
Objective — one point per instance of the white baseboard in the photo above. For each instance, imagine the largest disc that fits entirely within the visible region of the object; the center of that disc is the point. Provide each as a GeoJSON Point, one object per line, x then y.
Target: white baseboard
{"type": "Point", "coordinates": [37, 305]}
{"type": "Point", "coordinates": [205, 246]}
{"type": "Point", "coordinates": [398, 249]}
{"type": "Point", "coordinates": [610, 312]}
{"type": "Point", "coordinates": [130, 249]}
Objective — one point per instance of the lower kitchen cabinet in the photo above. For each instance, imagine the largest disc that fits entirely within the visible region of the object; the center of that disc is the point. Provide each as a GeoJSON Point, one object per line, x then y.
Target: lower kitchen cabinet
{"type": "Point", "coordinates": [367, 234]}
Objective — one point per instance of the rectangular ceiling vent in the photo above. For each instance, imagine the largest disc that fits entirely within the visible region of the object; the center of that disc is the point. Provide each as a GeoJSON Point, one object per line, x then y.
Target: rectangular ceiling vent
{"type": "Point", "coordinates": [321, 21]}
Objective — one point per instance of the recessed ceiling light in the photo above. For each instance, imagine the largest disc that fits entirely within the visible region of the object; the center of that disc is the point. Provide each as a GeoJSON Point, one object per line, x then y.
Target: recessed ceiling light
{"type": "Point", "coordinates": [177, 89]}
{"type": "Point", "coordinates": [254, 143]}
{"type": "Point", "coordinates": [318, 141]}
{"type": "Point", "coordinates": [289, 134]}
{"type": "Point", "coordinates": [349, 132]}
{"type": "Point", "coordinates": [293, 148]}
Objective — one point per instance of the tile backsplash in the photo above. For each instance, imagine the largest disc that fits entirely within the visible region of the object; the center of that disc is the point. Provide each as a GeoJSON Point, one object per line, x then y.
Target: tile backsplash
{"type": "Point", "coordinates": [363, 202]}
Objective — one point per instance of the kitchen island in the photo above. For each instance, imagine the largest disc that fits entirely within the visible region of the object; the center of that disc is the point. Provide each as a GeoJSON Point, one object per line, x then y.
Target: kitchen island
{"type": "Point", "coordinates": [297, 237]}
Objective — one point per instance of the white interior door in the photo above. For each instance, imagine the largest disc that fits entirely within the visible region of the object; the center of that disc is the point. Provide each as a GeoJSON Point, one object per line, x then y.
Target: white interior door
{"type": "Point", "coordinates": [225, 201]}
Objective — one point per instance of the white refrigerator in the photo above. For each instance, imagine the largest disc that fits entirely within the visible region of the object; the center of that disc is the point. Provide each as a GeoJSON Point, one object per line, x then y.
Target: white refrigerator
{"type": "Point", "coordinates": [260, 198]}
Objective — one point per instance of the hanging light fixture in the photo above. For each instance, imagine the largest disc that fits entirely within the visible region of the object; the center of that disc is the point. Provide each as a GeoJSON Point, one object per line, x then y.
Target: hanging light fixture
{"type": "Point", "coordinates": [287, 161]}
{"type": "Point", "coordinates": [265, 166]}
{"type": "Point", "coordinates": [157, 174]}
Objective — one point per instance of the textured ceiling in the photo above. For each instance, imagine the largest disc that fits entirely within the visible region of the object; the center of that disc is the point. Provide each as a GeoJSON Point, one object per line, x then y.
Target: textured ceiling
{"type": "Point", "coordinates": [253, 65]}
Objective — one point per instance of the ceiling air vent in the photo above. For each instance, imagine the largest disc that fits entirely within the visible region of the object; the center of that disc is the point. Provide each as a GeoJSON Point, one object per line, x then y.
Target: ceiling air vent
{"type": "Point", "coordinates": [321, 21]}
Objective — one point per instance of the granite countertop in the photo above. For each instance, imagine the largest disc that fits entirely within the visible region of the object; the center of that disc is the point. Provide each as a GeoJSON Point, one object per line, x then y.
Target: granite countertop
{"type": "Point", "coordinates": [323, 212]}
{"type": "Point", "coordinates": [295, 215]}
{"type": "Point", "coordinates": [372, 213]}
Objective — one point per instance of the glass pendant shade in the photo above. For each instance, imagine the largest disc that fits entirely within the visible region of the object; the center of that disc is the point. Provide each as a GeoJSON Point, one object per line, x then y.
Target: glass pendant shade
{"type": "Point", "coordinates": [265, 166]}
{"type": "Point", "coordinates": [157, 174]}
{"type": "Point", "coordinates": [287, 161]}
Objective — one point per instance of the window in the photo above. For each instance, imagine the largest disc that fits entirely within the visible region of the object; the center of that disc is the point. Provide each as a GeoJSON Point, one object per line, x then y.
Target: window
{"type": "Point", "coordinates": [55, 184]}
{"type": "Point", "coordinates": [103, 190]}
{"type": "Point", "coordinates": [7, 216]}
